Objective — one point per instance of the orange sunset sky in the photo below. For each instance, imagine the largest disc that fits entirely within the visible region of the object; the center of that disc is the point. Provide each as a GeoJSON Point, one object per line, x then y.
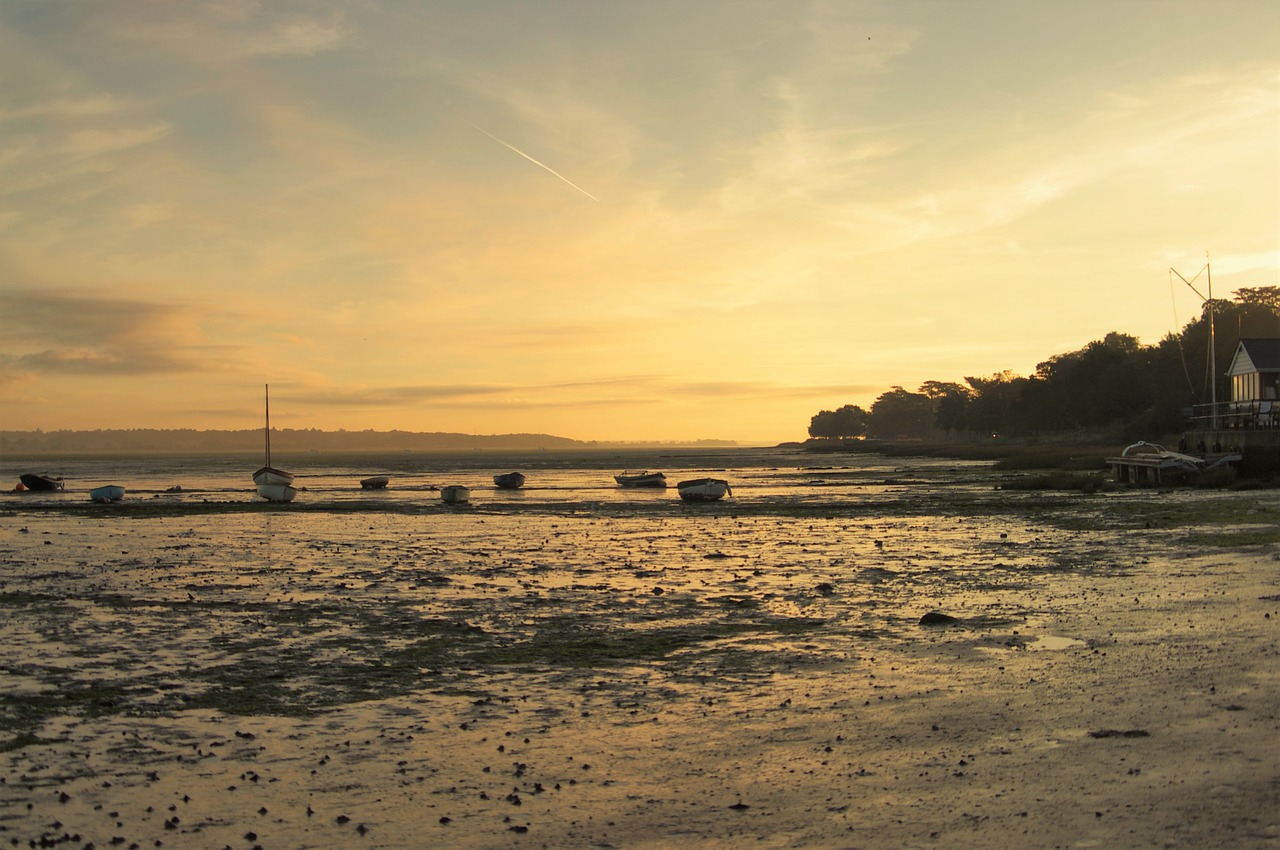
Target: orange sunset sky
{"type": "Point", "coordinates": [607, 220]}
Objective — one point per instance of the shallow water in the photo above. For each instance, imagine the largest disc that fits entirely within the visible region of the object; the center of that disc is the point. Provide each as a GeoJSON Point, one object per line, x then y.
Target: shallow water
{"type": "Point", "coordinates": [140, 635]}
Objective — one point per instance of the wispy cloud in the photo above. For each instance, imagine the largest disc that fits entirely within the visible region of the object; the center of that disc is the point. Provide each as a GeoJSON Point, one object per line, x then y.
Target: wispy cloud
{"type": "Point", "coordinates": [299, 37]}
{"type": "Point", "coordinates": [70, 333]}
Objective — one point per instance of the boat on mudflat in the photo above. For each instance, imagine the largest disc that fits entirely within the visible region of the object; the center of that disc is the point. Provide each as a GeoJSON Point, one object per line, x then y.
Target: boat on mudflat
{"type": "Point", "coordinates": [40, 482]}
{"type": "Point", "coordinates": [268, 475]}
{"type": "Point", "coordinates": [107, 493]}
{"type": "Point", "coordinates": [277, 492]}
{"type": "Point", "coordinates": [641, 479]}
{"type": "Point", "coordinates": [509, 480]}
{"type": "Point", "coordinates": [377, 482]}
{"type": "Point", "coordinates": [454, 494]}
{"type": "Point", "coordinates": [703, 489]}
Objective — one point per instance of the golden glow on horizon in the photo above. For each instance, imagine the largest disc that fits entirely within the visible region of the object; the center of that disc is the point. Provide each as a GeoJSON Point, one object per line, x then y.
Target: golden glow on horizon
{"type": "Point", "coordinates": [707, 232]}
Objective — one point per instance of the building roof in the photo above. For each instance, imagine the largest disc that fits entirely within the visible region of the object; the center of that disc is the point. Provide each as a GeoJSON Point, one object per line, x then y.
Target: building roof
{"type": "Point", "coordinates": [1264, 354]}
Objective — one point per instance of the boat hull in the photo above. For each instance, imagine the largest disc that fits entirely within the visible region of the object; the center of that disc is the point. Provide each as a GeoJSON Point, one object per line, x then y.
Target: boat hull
{"type": "Point", "coordinates": [509, 480]}
{"type": "Point", "coordinates": [109, 493]}
{"type": "Point", "coordinates": [704, 489]}
{"type": "Point", "coordinates": [277, 492]}
{"type": "Point", "coordinates": [641, 479]}
{"type": "Point", "coordinates": [269, 475]}
{"type": "Point", "coordinates": [454, 494]}
{"type": "Point", "coordinates": [40, 482]}
{"type": "Point", "coordinates": [377, 482]}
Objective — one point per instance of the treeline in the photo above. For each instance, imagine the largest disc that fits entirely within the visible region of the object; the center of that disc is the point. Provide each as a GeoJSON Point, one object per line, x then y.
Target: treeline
{"type": "Point", "coordinates": [1114, 386]}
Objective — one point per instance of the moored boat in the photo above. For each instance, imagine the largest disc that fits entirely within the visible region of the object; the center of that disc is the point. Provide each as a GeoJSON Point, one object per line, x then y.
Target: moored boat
{"type": "Point", "coordinates": [40, 482]}
{"type": "Point", "coordinates": [268, 475]}
{"type": "Point", "coordinates": [703, 489]}
{"type": "Point", "coordinates": [277, 492]}
{"type": "Point", "coordinates": [377, 482]}
{"type": "Point", "coordinates": [641, 479]}
{"type": "Point", "coordinates": [107, 493]}
{"type": "Point", "coordinates": [509, 480]}
{"type": "Point", "coordinates": [454, 494]}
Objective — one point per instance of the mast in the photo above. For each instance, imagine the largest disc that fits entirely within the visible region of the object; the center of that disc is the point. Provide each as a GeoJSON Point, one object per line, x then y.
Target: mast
{"type": "Point", "coordinates": [1213, 345]}
{"type": "Point", "coordinates": [267, 430]}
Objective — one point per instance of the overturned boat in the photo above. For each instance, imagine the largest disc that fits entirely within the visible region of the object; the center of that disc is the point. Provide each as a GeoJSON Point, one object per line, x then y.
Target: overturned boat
{"type": "Point", "coordinates": [376, 482]}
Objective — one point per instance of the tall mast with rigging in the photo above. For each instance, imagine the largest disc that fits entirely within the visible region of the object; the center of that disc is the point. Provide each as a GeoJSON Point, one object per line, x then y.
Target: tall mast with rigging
{"type": "Point", "coordinates": [1213, 348]}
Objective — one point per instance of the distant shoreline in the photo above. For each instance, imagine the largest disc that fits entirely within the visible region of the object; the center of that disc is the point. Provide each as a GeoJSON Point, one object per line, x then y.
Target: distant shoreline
{"type": "Point", "coordinates": [286, 441]}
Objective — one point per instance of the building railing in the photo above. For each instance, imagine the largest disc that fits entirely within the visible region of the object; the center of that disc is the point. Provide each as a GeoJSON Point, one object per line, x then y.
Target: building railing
{"type": "Point", "coordinates": [1253, 415]}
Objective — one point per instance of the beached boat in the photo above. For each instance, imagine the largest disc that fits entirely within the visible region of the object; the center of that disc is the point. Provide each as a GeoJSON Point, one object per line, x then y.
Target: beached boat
{"type": "Point", "coordinates": [277, 492]}
{"type": "Point", "coordinates": [377, 482]}
{"type": "Point", "coordinates": [703, 489]}
{"type": "Point", "coordinates": [107, 493]}
{"type": "Point", "coordinates": [31, 481]}
{"type": "Point", "coordinates": [641, 479]}
{"type": "Point", "coordinates": [454, 494]}
{"type": "Point", "coordinates": [509, 480]}
{"type": "Point", "coordinates": [1153, 464]}
{"type": "Point", "coordinates": [268, 475]}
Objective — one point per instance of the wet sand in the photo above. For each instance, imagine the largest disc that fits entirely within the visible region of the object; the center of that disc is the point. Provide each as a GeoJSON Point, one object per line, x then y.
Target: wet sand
{"type": "Point", "coordinates": [596, 677]}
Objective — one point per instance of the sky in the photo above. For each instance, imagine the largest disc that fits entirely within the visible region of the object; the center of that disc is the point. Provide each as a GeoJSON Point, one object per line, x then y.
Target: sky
{"type": "Point", "coordinates": [608, 221]}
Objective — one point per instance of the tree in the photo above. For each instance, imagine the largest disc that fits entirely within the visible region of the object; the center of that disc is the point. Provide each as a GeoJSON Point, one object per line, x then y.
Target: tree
{"type": "Point", "coordinates": [951, 409]}
{"type": "Point", "coordinates": [994, 409]}
{"type": "Point", "coordinates": [899, 413]}
{"type": "Point", "coordinates": [848, 421]}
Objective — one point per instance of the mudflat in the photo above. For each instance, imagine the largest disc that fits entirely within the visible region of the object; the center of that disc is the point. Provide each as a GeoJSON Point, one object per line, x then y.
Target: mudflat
{"type": "Point", "coordinates": [746, 674]}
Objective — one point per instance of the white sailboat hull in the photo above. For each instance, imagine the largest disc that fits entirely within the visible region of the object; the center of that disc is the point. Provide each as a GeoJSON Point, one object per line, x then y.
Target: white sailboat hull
{"type": "Point", "coordinates": [271, 476]}
{"type": "Point", "coordinates": [277, 492]}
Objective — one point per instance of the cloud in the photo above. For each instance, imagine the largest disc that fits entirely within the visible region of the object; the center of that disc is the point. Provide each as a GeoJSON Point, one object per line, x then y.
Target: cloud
{"type": "Point", "coordinates": [299, 37]}
{"type": "Point", "coordinates": [72, 334]}
{"type": "Point", "coordinates": [67, 107]}
{"type": "Point", "coordinates": [85, 143]}
{"type": "Point", "coordinates": [611, 391]}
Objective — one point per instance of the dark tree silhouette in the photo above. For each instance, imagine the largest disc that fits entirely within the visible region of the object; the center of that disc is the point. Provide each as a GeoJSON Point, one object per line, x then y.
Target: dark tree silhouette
{"type": "Point", "coordinates": [1114, 385]}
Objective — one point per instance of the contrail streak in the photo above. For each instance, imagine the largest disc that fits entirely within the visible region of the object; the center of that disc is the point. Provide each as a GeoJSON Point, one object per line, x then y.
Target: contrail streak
{"type": "Point", "coordinates": [535, 162]}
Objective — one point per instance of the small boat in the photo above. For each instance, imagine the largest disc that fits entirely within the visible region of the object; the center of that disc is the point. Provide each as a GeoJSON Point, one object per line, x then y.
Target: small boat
{"type": "Point", "coordinates": [377, 482]}
{"type": "Point", "coordinates": [268, 475]}
{"type": "Point", "coordinates": [107, 493]}
{"type": "Point", "coordinates": [703, 489]}
{"type": "Point", "coordinates": [454, 494]}
{"type": "Point", "coordinates": [641, 479]}
{"type": "Point", "coordinates": [509, 480]}
{"type": "Point", "coordinates": [277, 492]}
{"type": "Point", "coordinates": [40, 482]}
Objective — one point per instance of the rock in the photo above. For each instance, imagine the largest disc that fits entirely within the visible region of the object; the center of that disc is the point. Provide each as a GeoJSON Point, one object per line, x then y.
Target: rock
{"type": "Point", "coordinates": [937, 618]}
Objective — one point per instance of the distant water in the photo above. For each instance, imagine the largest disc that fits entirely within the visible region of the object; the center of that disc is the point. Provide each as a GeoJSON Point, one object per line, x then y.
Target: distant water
{"type": "Point", "coordinates": [575, 479]}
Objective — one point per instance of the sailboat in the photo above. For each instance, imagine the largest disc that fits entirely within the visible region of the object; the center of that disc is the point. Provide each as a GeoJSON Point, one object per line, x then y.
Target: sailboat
{"type": "Point", "coordinates": [274, 485]}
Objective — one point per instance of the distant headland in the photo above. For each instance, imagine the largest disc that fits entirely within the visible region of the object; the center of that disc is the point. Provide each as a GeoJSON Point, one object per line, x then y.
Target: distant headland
{"type": "Point", "coordinates": [288, 441]}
